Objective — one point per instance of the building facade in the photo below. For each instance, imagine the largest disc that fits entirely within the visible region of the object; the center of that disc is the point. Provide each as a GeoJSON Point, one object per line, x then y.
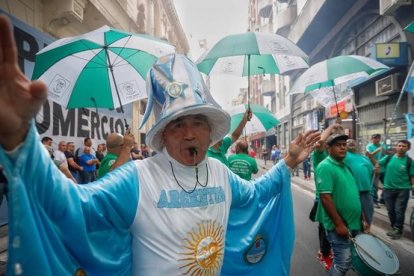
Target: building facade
{"type": "Point", "coordinates": [270, 90]}
{"type": "Point", "coordinates": [324, 29]}
{"type": "Point", "coordinates": [329, 28]}
{"type": "Point", "coordinates": [63, 18]}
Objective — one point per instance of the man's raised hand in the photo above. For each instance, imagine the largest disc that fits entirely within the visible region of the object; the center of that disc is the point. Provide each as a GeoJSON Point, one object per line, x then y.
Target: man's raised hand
{"type": "Point", "coordinates": [20, 98]}
{"type": "Point", "coordinates": [301, 147]}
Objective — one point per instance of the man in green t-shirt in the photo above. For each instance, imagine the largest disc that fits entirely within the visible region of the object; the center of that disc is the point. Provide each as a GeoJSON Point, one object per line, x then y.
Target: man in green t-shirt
{"type": "Point", "coordinates": [119, 148]}
{"type": "Point", "coordinates": [324, 254]}
{"type": "Point", "coordinates": [219, 149]}
{"type": "Point", "coordinates": [340, 208]}
{"type": "Point", "coordinates": [398, 182]}
{"type": "Point", "coordinates": [375, 151]}
{"type": "Point", "coordinates": [241, 163]}
{"type": "Point", "coordinates": [363, 171]}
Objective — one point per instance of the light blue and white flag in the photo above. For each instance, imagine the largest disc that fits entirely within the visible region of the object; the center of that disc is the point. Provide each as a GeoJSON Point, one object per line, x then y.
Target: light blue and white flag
{"type": "Point", "coordinates": [409, 82]}
{"type": "Point", "coordinates": [410, 125]}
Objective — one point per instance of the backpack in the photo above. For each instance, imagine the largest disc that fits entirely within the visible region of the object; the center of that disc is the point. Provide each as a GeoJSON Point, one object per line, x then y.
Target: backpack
{"type": "Point", "coordinates": [408, 166]}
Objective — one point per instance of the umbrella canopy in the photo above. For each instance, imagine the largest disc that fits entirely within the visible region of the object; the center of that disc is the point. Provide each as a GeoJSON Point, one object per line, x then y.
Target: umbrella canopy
{"type": "Point", "coordinates": [252, 53]}
{"type": "Point", "coordinates": [410, 27]}
{"type": "Point", "coordinates": [327, 96]}
{"type": "Point", "coordinates": [262, 119]}
{"type": "Point", "coordinates": [335, 71]}
{"type": "Point", "coordinates": [104, 68]}
{"type": "Point", "coordinates": [329, 81]}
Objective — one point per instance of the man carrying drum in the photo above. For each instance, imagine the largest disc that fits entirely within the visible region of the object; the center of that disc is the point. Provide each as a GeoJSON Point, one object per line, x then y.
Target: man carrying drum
{"type": "Point", "coordinates": [340, 211]}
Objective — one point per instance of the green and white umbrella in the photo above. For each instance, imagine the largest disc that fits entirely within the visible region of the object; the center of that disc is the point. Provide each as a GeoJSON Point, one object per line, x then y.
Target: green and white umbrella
{"type": "Point", "coordinates": [327, 96]}
{"type": "Point", "coordinates": [410, 27]}
{"type": "Point", "coordinates": [252, 53]}
{"type": "Point", "coordinates": [335, 75]}
{"type": "Point", "coordinates": [262, 118]}
{"type": "Point", "coordinates": [104, 68]}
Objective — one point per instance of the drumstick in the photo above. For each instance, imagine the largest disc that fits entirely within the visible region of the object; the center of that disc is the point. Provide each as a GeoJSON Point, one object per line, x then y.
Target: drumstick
{"type": "Point", "coordinates": [386, 249]}
{"type": "Point", "coordinates": [362, 249]}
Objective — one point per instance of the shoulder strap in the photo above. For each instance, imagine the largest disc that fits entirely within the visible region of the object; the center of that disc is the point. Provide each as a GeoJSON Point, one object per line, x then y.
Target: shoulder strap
{"type": "Point", "coordinates": [387, 160]}
{"type": "Point", "coordinates": [409, 161]}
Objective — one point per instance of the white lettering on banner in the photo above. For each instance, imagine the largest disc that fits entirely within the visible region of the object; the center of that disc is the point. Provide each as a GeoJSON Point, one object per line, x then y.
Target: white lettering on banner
{"type": "Point", "coordinates": [54, 120]}
{"type": "Point", "coordinates": [76, 124]}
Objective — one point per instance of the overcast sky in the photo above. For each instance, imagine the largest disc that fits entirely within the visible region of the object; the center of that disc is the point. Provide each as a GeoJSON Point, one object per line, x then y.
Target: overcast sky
{"type": "Point", "coordinates": [212, 20]}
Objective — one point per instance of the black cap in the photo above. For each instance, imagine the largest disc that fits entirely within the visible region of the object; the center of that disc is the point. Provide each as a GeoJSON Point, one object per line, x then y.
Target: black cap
{"type": "Point", "coordinates": [376, 135]}
{"type": "Point", "coordinates": [337, 136]}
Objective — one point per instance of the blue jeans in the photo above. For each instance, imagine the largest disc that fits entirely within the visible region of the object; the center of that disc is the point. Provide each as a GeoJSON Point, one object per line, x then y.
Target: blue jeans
{"type": "Point", "coordinates": [3, 191]}
{"type": "Point", "coordinates": [88, 177]}
{"type": "Point", "coordinates": [341, 248]}
{"type": "Point", "coordinates": [396, 202]}
{"type": "Point", "coordinates": [367, 205]}
{"type": "Point", "coordinates": [306, 169]}
{"type": "Point", "coordinates": [375, 188]}
{"type": "Point", "coordinates": [77, 176]}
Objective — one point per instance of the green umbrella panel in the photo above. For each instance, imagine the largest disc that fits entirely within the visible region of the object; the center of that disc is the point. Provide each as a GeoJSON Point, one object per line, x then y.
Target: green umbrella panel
{"type": "Point", "coordinates": [262, 119]}
{"type": "Point", "coordinates": [410, 27]}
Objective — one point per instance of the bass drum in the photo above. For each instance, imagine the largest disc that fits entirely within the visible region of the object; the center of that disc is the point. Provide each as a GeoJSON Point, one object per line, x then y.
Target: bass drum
{"type": "Point", "coordinates": [371, 256]}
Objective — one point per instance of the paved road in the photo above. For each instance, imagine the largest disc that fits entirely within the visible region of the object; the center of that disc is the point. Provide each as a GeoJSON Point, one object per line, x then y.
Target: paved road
{"type": "Point", "coordinates": [3, 212]}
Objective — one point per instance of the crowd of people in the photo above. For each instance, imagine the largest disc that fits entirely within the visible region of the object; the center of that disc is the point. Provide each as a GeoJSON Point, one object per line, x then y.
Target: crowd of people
{"type": "Point", "coordinates": [347, 181]}
{"type": "Point", "coordinates": [350, 182]}
{"type": "Point", "coordinates": [85, 164]}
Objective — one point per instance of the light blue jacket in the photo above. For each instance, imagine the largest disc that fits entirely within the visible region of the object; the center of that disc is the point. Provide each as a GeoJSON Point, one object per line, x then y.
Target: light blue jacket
{"type": "Point", "coordinates": [58, 228]}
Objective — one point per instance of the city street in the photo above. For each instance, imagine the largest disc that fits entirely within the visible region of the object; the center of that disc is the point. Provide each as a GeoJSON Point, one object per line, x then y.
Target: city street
{"type": "Point", "coordinates": [306, 243]}
{"type": "Point", "coordinates": [88, 86]}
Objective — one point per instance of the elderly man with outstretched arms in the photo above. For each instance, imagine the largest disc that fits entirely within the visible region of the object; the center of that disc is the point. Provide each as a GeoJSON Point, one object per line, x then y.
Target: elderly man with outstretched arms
{"type": "Point", "coordinates": [176, 213]}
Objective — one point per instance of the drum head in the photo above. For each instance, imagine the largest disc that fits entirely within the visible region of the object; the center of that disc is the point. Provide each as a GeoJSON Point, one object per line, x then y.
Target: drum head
{"type": "Point", "coordinates": [376, 254]}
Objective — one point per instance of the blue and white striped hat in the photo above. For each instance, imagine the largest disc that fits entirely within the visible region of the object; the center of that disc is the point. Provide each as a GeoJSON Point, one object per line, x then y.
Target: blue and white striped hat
{"type": "Point", "coordinates": [176, 88]}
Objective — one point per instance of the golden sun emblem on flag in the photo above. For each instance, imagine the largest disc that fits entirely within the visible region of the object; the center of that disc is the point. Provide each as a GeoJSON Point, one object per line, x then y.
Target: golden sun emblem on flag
{"type": "Point", "coordinates": [203, 249]}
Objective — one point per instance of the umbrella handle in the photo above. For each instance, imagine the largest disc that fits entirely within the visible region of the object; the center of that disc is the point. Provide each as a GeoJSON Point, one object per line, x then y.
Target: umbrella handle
{"type": "Point", "coordinates": [249, 113]}
{"type": "Point", "coordinates": [126, 124]}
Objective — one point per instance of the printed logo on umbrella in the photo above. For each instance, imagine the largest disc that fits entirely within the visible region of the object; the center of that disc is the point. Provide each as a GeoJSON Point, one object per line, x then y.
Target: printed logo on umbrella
{"type": "Point", "coordinates": [58, 87]}
{"type": "Point", "coordinates": [228, 67]}
{"type": "Point", "coordinates": [277, 47]}
{"type": "Point", "coordinates": [311, 79]}
{"type": "Point", "coordinates": [129, 90]}
{"type": "Point", "coordinates": [288, 61]}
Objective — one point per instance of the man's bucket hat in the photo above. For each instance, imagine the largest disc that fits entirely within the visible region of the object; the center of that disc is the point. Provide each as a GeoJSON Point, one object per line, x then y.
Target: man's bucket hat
{"type": "Point", "coordinates": [176, 88]}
